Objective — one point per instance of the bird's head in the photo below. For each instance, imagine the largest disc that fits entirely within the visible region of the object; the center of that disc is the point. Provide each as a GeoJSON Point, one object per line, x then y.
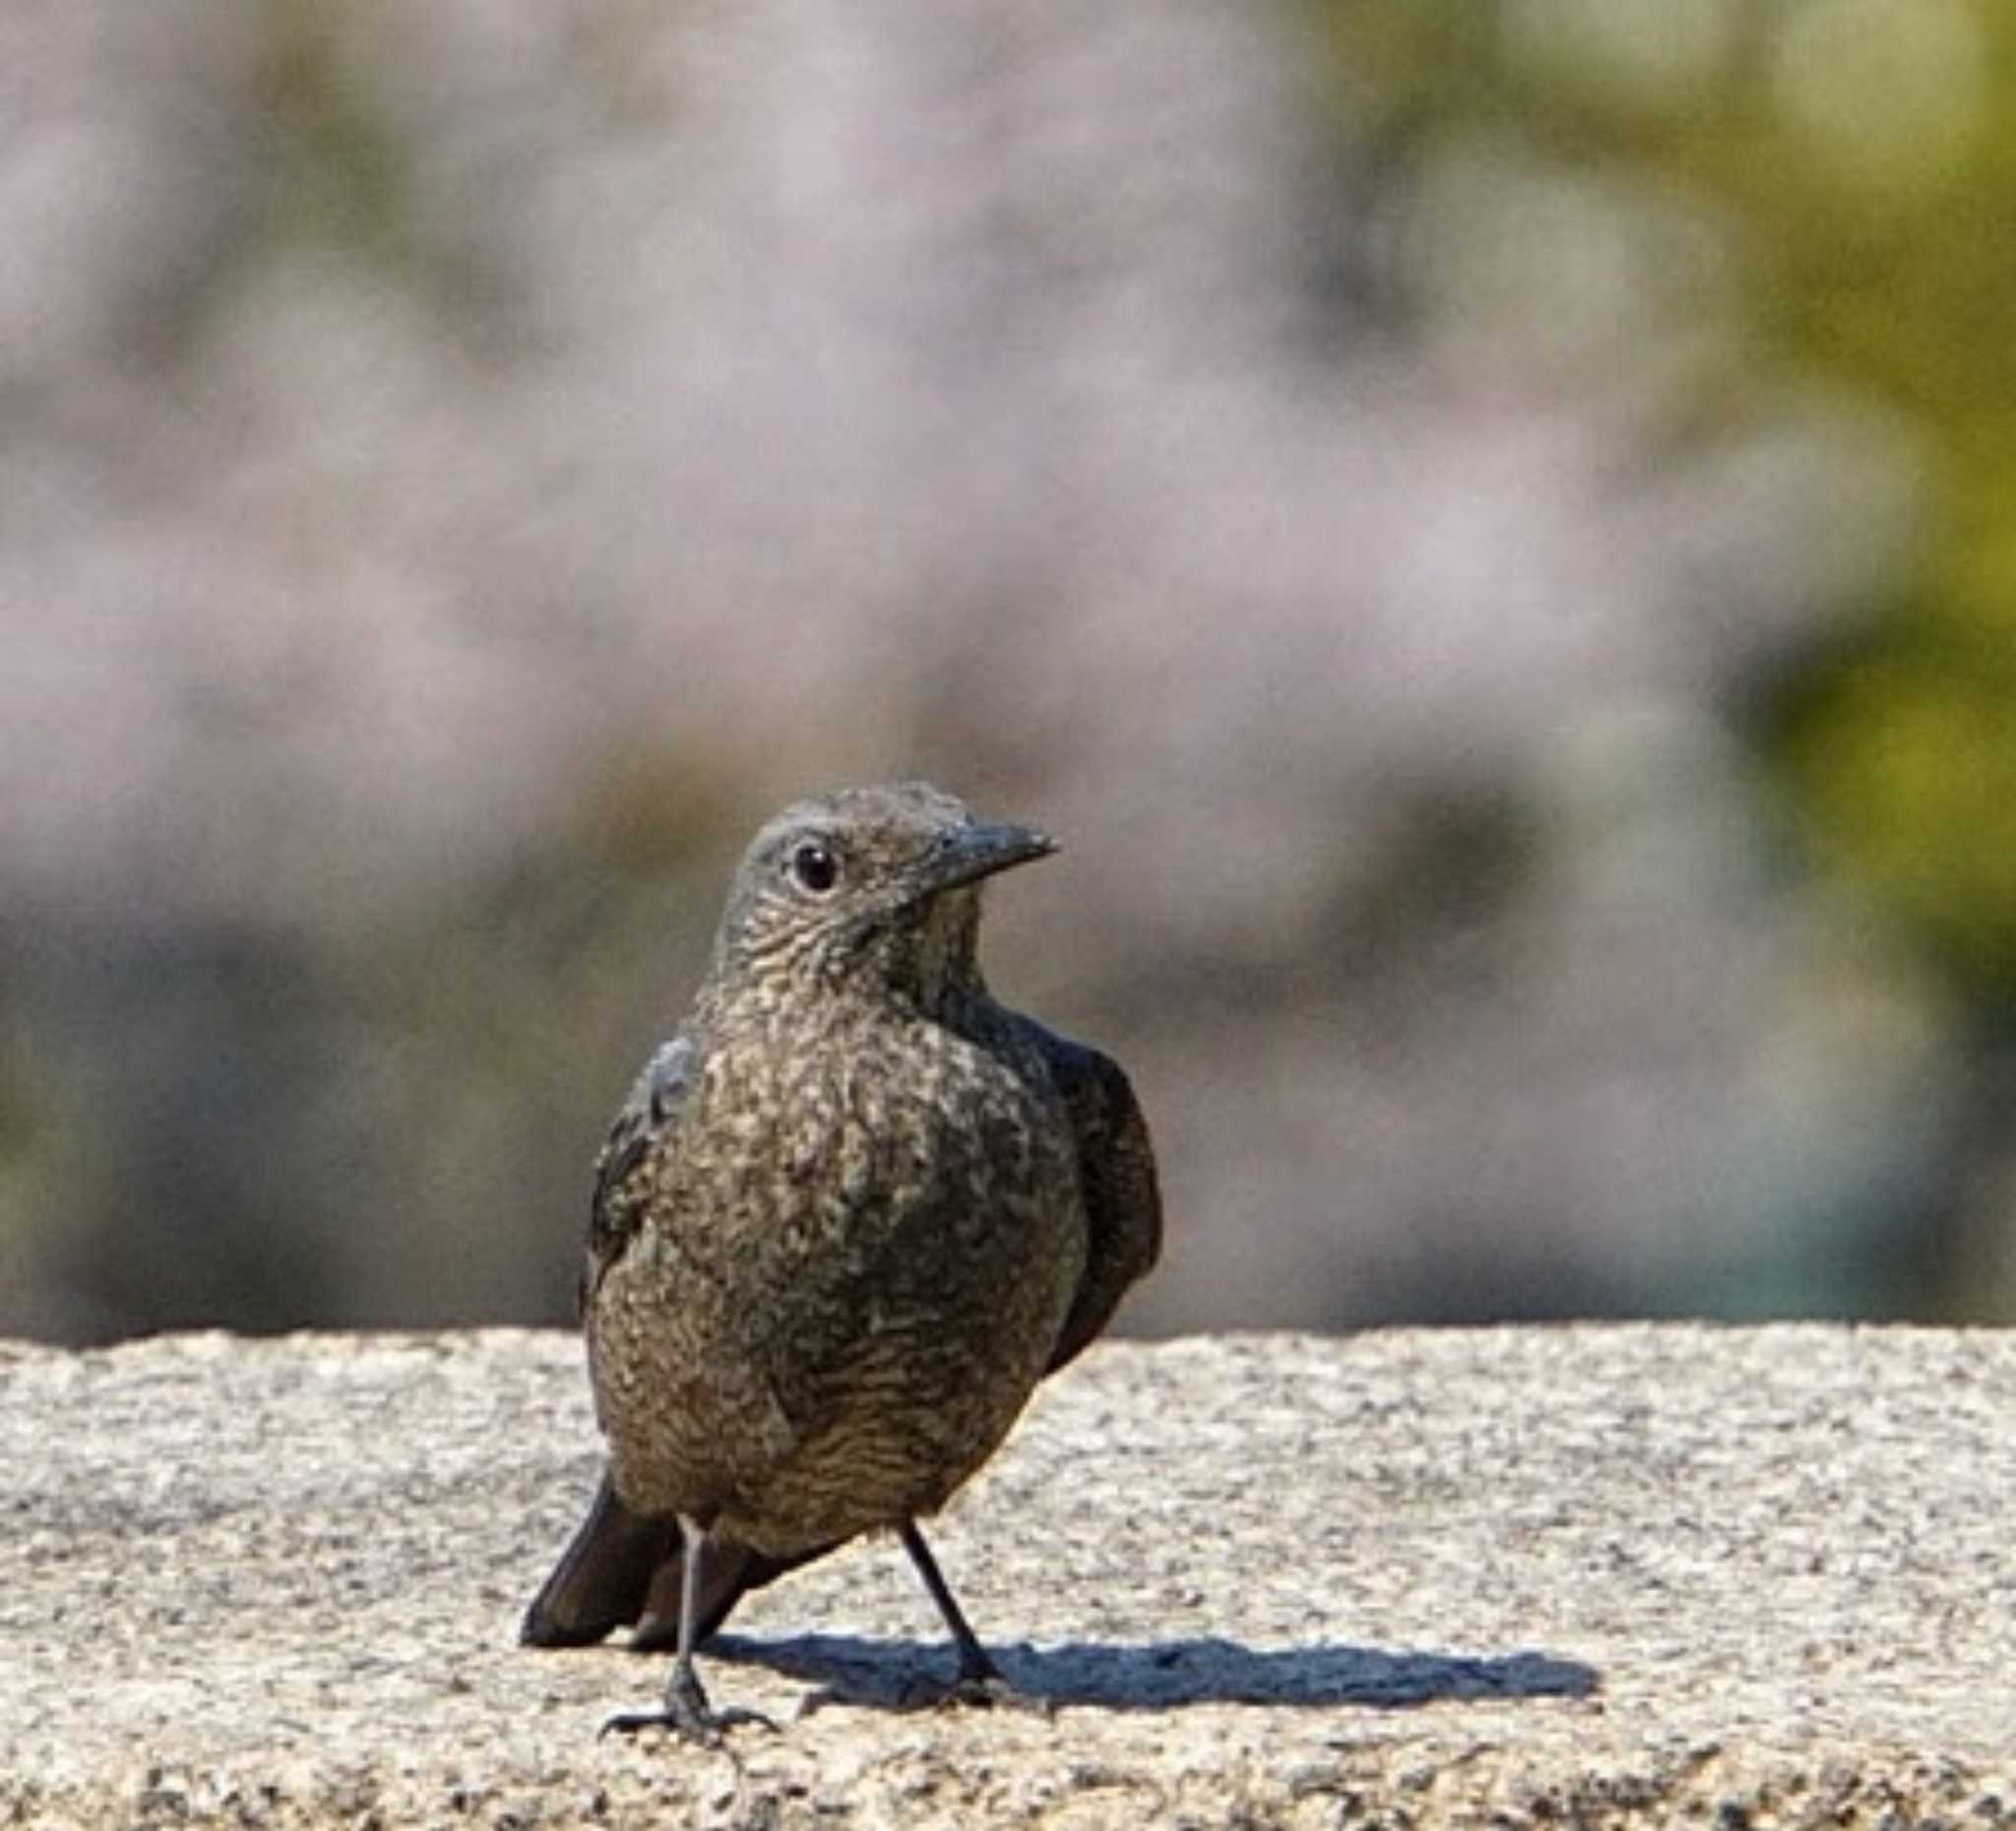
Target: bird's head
{"type": "Point", "coordinates": [869, 889]}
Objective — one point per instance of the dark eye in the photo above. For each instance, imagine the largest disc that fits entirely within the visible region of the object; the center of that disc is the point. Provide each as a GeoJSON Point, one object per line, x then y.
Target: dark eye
{"type": "Point", "coordinates": [815, 867]}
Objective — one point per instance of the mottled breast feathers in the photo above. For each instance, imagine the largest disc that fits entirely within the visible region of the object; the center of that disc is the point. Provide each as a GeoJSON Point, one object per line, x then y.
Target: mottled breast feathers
{"type": "Point", "coordinates": [1115, 1167]}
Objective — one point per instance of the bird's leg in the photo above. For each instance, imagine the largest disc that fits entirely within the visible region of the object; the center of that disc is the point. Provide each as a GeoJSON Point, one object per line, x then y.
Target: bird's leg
{"type": "Point", "coordinates": [975, 1666]}
{"type": "Point", "coordinates": [686, 1710]}
{"type": "Point", "coordinates": [979, 1680]}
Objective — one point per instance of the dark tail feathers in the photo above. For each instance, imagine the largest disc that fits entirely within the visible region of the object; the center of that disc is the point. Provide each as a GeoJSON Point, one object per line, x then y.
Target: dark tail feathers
{"type": "Point", "coordinates": [622, 1570]}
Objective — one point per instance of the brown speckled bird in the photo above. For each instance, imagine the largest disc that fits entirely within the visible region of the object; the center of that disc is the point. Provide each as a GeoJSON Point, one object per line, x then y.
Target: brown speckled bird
{"type": "Point", "coordinates": [851, 1215]}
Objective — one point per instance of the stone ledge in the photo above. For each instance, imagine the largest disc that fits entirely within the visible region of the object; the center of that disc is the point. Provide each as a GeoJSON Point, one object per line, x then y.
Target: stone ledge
{"type": "Point", "coordinates": [1597, 1576]}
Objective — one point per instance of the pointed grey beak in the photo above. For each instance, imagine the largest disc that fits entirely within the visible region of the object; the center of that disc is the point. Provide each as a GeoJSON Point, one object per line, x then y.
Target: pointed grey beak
{"type": "Point", "coordinates": [968, 853]}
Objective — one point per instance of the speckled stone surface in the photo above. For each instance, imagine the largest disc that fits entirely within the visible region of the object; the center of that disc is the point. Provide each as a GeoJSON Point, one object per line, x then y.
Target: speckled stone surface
{"type": "Point", "coordinates": [1597, 1576]}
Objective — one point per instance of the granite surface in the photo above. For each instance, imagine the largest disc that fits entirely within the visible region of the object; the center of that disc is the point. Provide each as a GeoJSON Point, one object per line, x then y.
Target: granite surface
{"type": "Point", "coordinates": [1593, 1575]}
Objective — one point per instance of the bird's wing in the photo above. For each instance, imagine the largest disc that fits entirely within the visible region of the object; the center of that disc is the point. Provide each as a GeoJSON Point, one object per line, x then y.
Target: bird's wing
{"type": "Point", "coordinates": [621, 1178]}
{"type": "Point", "coordinates": [624, 1568]}
{"type": "Point", "coordinates": [1117, 1173]}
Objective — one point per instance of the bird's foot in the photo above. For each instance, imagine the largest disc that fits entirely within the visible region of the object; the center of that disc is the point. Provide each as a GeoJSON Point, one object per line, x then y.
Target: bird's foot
{"type": "Point", "coordinates": [991, 1691]}
{"type": "Point", "coordinates": [688, 1715]}
{"type": "Point", "coordinates": [970, 1690]}
{"type": "Point", "coordinates": [979, 1687]}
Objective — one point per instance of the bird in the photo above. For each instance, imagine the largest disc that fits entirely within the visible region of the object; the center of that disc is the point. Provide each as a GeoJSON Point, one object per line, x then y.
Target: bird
{"type": "Point", "coordinates": [852, 1213]}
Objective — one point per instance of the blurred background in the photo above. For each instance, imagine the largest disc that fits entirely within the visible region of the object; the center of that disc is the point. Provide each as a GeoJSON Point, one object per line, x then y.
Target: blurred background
{"type": "Point", "coordinates": [1488, 526]}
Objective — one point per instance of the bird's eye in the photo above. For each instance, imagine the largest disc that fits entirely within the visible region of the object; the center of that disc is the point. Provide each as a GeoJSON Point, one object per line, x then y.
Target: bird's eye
{"type": "Point", "coordinates": [815, 867]}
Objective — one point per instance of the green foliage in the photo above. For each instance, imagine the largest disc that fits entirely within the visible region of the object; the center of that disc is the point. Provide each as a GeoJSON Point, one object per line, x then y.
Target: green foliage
{"type": "Point", "coordinates": [1863, 154]}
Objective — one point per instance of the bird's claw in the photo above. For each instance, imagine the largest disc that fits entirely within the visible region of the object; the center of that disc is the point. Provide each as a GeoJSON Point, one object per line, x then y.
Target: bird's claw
{"type": "Point", "coordinates": [995, 1692]}
{"type": "Point", "coordinates": [704, 1731]}
{"type": "Point", "coordinates": [689, 1716]}
{"type": "Point", "coordinates": [979, 1691]}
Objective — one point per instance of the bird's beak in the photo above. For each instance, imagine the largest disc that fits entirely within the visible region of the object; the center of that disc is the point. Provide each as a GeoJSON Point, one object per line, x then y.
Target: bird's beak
{"type": "Point", "coordinates": [972, 853]}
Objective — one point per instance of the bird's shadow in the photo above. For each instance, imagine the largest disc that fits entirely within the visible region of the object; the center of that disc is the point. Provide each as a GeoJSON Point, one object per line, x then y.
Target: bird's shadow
{"type": "Point", "coordinates": [1166, 1675]}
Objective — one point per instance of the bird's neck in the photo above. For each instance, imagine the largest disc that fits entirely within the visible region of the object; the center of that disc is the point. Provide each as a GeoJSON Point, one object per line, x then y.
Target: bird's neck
{"type": "Point", "coordinates": [800, 1005]}
{"type": "Point", "coordinates": [918, 961]}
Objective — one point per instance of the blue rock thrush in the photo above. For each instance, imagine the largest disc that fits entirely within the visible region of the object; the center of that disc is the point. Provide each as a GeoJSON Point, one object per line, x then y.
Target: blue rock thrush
{"type": "Point", "coordinates": [853, 1211]}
